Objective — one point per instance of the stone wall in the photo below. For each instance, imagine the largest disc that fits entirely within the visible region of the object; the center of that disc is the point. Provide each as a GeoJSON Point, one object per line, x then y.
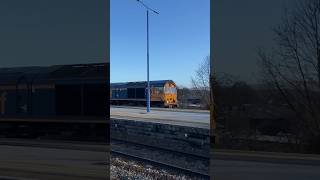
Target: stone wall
{"type": "Point", "coordinates": [179, 138]}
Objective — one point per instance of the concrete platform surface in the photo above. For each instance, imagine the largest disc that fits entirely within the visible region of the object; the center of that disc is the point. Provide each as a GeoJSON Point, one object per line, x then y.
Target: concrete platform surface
{"type": "Point", "coordinates": [246, 170]}
{"type": "Point", "coordinates": [162, 109]}
{"type": "Point", "coordinates": [23, 162]}
{"type": "Point", "coordinates": [244, 165]}
{"type": "Point", "coordinates": [267, 157]}
{"type": "Point", "coordinates": [199, 119]}
{"type": "Point", "coordinates": [20, 161]}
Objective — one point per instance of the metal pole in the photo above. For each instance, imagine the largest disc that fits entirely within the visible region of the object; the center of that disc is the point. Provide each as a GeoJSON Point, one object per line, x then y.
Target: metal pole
{"type": "Point", "coordinates": [148, 80]}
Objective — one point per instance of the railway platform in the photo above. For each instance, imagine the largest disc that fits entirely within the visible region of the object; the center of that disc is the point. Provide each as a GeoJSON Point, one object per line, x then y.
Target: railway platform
{"type": "Point", "coordinates": [251, 165]}
{"type": "Point", "coordinates": [33, 160]}
{"type": "Point", "coordinates": [21, 159]}
{"type": "Point", "coordinates": [187, 118]}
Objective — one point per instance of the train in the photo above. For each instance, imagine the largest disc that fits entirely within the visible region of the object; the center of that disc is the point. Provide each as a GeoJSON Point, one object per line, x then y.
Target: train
{"type": "Point", "coordinates": [54, 91]}
{"type": "Point", "coordinates": [66, 102]}
{"type": "Point", "coordinates": [163, 93]}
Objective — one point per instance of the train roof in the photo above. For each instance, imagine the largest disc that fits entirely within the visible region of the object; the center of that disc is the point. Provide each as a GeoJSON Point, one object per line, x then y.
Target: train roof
{"type": "Point", "coordinates": [55, 73]}
{"type": "Point", "coordinates": [158, 83]}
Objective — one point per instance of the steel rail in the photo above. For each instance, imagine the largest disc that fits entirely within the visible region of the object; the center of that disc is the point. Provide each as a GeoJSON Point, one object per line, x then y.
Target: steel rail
{"type": "Point", "coordinates": [162, 165]}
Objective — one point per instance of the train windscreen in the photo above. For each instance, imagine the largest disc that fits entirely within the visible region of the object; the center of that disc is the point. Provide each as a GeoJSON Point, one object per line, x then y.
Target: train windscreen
{"type": "Point", "coordinates": [171, 90]}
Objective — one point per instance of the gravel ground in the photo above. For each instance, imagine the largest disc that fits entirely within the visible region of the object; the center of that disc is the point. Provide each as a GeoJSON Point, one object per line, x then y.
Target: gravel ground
{"type": "Point", "coordinates": [178, 160]}
{"type": "Point", "coordinates": [132, 170]}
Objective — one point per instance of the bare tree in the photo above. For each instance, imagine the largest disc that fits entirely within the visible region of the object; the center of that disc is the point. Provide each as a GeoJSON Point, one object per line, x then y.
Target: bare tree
{"type": "Point", "coordinates": [183, 95]}
{"type": "Point", "coordinates": [201, 82]}
{"type": "Point", "coordinates": [293, 66]}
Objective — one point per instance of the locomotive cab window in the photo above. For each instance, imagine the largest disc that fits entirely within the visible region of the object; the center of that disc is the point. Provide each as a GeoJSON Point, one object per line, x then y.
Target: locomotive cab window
{"type": "Point", "coordinates": [170, 90]}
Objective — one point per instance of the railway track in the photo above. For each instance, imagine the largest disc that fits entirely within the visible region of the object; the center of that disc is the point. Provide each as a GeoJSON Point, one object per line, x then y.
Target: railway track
{"type": "Point", "coordinates": [168, 150]}
{"type": "Point", "coordinates": [162, 164]}
{"type": "Point", "coordinates": [179, 170]}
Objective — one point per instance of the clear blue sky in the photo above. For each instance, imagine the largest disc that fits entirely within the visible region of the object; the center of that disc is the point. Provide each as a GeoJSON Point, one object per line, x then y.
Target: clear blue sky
{"type": "Point", "coordinates": [179, 39]}
{"type": "Point", "coordinates": [47, 32]}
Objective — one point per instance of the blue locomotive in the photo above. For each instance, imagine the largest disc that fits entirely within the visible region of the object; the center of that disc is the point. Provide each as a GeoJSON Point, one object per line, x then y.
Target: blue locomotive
{"type": "Point", "coordinates": [163, 93]}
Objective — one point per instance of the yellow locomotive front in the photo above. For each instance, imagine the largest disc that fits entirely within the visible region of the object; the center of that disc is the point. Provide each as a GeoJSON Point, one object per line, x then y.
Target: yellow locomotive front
{"type": "Point", "coordinates": [170, 95]}
{"type": "Point", "coordinates": [164, 95]}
